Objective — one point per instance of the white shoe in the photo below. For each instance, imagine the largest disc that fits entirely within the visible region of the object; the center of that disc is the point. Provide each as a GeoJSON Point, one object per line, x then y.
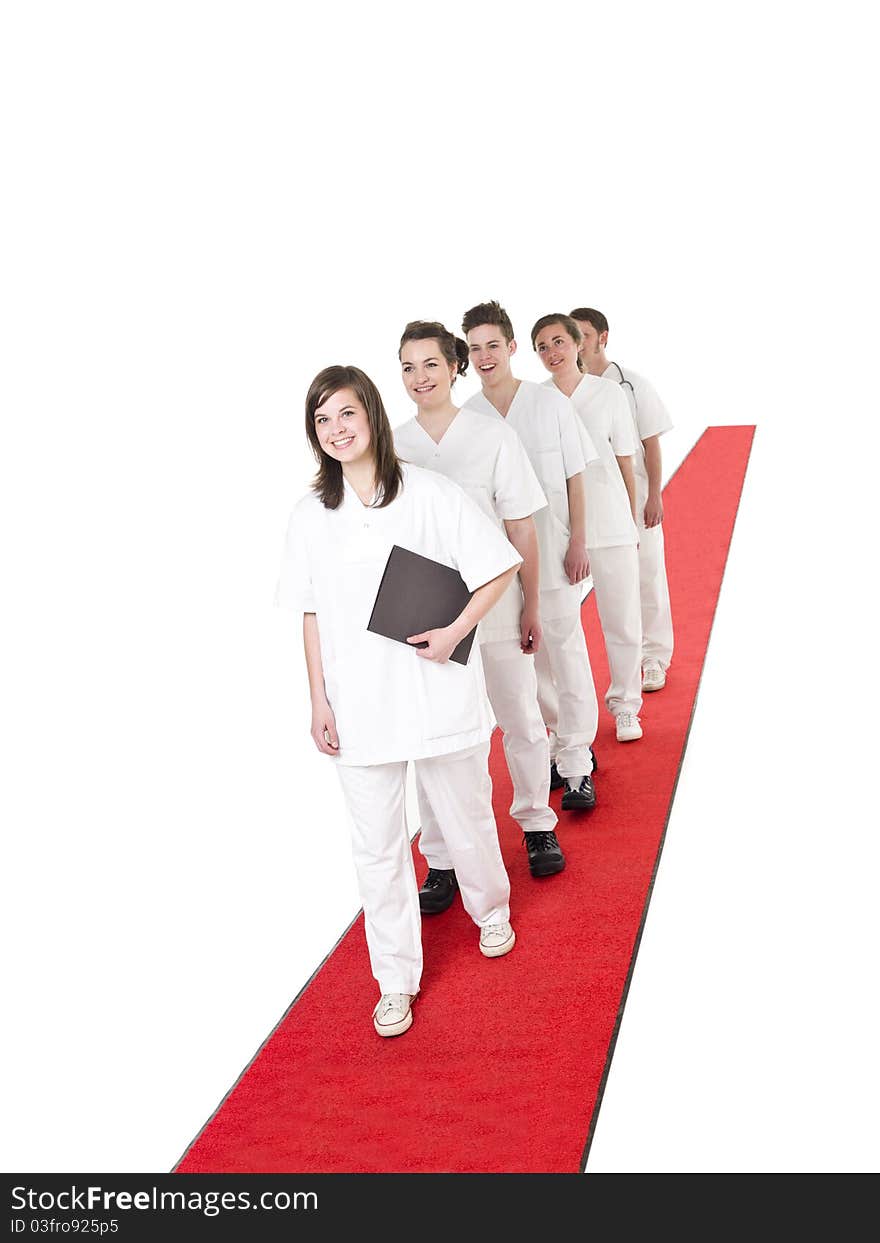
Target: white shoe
{"type": "Point", "coordinates": [653, 677]}
{"type": "Point", "coordinates": [628, 727]}
{"type": "Point", "coordinates": [497, 939]}
{"type": "Point", "coordinates": [393, 1014]}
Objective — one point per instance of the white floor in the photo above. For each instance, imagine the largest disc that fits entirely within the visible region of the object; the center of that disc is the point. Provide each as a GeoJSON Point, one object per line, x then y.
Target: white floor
{"type": "Point", "coordinates": [197, 227]}
{"type": "Point", "coordinates": [749, 1037]}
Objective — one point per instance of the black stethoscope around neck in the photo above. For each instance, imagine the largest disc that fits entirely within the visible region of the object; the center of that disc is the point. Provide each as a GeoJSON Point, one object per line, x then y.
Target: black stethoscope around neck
{"type": "Point", "coordinates": [624, 383]}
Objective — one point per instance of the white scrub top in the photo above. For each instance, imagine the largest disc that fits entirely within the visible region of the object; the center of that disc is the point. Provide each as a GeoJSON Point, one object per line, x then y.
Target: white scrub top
{"type": "Point", "coordinates": [546, 423]}
{"type": "Point", "coordinates": [650, 416]}
{"type": "Point", "coordinates": [604, 412]}
{"type": "Point", "coordinates": [488, 460]}
{"type": "Point", "coordinates": [390, 703]}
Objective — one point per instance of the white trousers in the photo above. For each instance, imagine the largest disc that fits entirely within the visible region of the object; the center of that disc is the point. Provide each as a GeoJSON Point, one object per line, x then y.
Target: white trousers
{"type": "Point", "coordinates": [616, 584]}
{"type": "Point", "coordinates": [656, 611]}
{"type": "Point", "coordinates": [512, 688]}
{"type": "Point", "coordinates": [460, 793]}
{"type": "Point", "coordinates": [566, 691]}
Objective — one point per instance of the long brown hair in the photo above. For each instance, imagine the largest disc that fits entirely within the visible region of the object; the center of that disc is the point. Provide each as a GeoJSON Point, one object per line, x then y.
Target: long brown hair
{"type": "Point", "coordinates": [328, 483]}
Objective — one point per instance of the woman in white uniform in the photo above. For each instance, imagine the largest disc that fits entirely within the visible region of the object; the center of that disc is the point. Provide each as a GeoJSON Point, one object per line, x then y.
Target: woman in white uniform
{"type": "Point", "coordinates": [488, 460]}
{"type": "Point", "coordinates": [377, 703]}
{"type": "Point", "coordinates": [547, 425]}
{"type": "Point", "coordinates": [612, 535]}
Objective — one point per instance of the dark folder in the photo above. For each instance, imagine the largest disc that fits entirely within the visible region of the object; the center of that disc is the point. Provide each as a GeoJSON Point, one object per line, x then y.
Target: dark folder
{"type": "Point", "coordinates": [418, 594]}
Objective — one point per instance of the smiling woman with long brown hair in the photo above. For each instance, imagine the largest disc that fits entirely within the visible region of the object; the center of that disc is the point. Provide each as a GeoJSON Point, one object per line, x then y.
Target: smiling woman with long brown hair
{"type": "Point", "coordinates": [377, 703]}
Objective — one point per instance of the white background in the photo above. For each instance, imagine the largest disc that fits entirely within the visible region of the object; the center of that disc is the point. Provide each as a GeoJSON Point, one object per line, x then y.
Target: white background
{"type": "Point", "coordinates": [206, 203]}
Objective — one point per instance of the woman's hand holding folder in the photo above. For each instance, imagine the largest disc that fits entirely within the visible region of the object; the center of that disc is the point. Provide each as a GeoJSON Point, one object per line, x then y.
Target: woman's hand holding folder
{"type": "Point", "coordinates": [439, 644]}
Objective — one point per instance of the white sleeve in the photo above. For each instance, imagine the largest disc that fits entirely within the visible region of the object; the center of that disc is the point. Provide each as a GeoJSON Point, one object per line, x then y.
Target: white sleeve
{"type": "Point", "coordinates": [517, 492]}
{"type": "Point", "coordinates": [587, 447]}
{"type": "Point", "coordinates": [651, 415]}
{"type": "Point", "coordinates": [295, 591]}
{"type": "Point", "coordinates": [573, 445]}
{"type": "Point", "coordinates": [481, 551]}
{"type": "Point", "coordinates": [623, 439]}
{"type": "Point", "coordinates": [404, 443]}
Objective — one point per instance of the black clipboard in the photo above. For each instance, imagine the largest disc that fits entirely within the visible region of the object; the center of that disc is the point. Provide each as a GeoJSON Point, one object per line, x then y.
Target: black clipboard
{"type": "Point", "coordinates": [418, 594]}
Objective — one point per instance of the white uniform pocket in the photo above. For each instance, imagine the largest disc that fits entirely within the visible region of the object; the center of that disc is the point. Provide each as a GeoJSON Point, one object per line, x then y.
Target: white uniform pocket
{"type": "Point", "coordinates": [449, 703]}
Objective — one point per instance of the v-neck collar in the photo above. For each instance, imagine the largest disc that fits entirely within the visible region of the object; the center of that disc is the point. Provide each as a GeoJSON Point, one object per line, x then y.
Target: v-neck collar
{"type": "Point", "coordinates": [427, 434]}
{"type": "Point", "coordinates": [350, 491]}
{"type": "Point", "coordinates": [586, 376]}
{"type": "Point", "coordinates": [514, 400]}
{"type": "Point", "coordinates": [510, 408]}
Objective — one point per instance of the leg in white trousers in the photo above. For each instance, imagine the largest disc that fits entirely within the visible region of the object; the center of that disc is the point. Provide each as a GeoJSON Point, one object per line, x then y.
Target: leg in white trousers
{"type": "Point", "coordinates": [566, 692]}
{"type": "Point", "coordinates": [375, 797]}
{"type": "Point", "coordinates": [460, 791]}
{"type": "Point", "coordinates": [616, 584]}
{"type": "Point", "coordinates": [656, 610]}
{"type": "Point", "coordinates": [512, 687]}
{"type": "Point", "coordinates": [455, 801]}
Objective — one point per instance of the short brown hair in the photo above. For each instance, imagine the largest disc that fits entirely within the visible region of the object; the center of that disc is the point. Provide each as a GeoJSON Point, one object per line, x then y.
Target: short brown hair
{"type": "Point", "coordinates": [488, 313]}
{"type": "Point", "coordinates": [328, 483]}
{"type": "Point", "coordinates": [596, 318]}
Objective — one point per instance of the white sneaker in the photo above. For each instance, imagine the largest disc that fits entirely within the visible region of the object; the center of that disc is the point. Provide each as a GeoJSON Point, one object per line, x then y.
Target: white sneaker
{"type": "Point", "coordinates": [393, 1014]}
{"type": "Point", "coordinates": [628, 727]}
{"type": "Point", "coordinates": [653, 677]}
{"type": "Point", "coordinates": [497, 939]}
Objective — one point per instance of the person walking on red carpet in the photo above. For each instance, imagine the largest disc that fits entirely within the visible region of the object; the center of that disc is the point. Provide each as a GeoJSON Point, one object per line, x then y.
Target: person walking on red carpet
{"type": "Point", "coordinates": [546, 423]}
{"type": "Point", "coordinates": [651, 420]}
{"type": "Point", "coordinates": [612, 535]}
{"type": "Point", "coordinates": [377, 703]}
{"type": "Point", "coordinates": [488, 460]}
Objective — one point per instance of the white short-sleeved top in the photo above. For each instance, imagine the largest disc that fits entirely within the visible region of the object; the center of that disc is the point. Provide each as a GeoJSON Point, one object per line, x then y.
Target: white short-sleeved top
{"type": "Point", "coordinates": [650, 416]}
{"type": "Point", "coordinates": [604, 412]}
{"type": "Point", "coordinates": [390, 703]}
{"type": "Point", "coordinates": [546, 423]}
{"type": "Point", "coordinates": [488, 460]}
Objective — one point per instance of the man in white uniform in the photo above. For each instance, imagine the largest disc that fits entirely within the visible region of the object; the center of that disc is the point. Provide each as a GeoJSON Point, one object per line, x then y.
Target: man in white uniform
{"type": "Point", "coordinates": [651, 420]}
{"type": "Point", "coordinates": [547, 425]}
{"type": "Point", "coordinates": [488, 461]}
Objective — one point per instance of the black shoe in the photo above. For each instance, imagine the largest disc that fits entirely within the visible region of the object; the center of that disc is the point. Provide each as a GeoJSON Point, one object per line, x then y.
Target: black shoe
{"type": "Point", "coordinates": [545, 854]}
{"type": "Point", "coordinates": [580, 797]}
{"type": "Point", "coordinates": [437, 891]}
{"type": "Point", "coordinates": [557, 782]}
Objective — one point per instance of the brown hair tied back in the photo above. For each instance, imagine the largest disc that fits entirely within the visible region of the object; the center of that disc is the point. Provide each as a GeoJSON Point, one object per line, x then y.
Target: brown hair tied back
{"type": "Point", "coordinates": [453, 349]}
{"type": "Point", "coordinates": [564, 321]}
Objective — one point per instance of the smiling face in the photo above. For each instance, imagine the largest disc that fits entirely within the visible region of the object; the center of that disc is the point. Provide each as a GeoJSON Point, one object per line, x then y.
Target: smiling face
{"type": "Point", "coordinates": [427, 376]}
{"type": "Point", "coordinates": [490, 354]}
{"type": "Point", "coordinates": [557, 350]}
{"type": "Point", "coordinates": [343, 427]}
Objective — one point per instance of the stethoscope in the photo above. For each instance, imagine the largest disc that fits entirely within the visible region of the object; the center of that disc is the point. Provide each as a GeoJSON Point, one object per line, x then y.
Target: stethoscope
{"type": "Point", "coordinates": [624, 383]}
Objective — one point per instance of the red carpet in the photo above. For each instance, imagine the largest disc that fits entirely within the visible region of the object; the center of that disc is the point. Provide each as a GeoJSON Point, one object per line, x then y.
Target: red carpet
{"type": "Point", "coordinates": [503, 1067]}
